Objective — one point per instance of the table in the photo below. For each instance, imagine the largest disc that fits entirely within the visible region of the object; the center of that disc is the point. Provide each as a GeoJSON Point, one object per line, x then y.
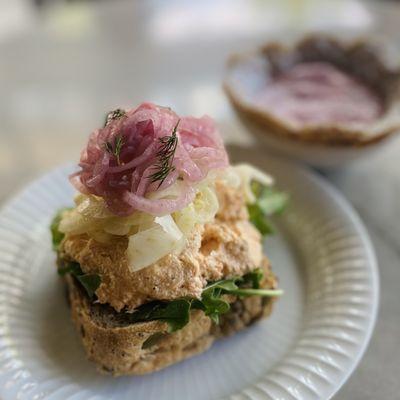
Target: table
{"type": "Point", "coordinates": [62, 66]}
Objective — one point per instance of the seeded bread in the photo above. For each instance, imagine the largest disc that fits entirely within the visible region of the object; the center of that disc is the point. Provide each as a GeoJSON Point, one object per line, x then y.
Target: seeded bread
{"type": "Point", "coordinates": [119, 347]}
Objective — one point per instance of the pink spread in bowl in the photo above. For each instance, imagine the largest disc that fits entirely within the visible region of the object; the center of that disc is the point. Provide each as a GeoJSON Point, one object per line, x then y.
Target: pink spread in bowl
{"type": "Point", "coordinates": [318, 93]}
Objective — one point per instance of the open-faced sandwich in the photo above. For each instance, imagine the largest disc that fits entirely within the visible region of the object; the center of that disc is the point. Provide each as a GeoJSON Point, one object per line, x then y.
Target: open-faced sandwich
{"type": "Point", "coordinates": [162, 252]}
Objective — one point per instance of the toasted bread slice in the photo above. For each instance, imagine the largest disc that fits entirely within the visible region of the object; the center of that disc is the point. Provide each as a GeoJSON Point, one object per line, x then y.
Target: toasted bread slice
{"type": "Point", "coordinates": [120, 347]}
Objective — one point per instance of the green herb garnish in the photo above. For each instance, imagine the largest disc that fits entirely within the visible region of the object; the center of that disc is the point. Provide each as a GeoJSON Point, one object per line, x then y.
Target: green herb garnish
{"type": "Point", "coordinates": [165, 156]}
{"type": "Point", "coordinates": [56, 235]}
{"type": "Point", "coordinates": [153, 339]}
{"type": "Point", "coordinates": [90, 282]}
{"type": "Point", "coordinates": [259, 220]}
{"type": "Point", "coordinates": [269, 201]}
{"type": "Point", "coordinates": [252, 279]}
{"type": "Point", "coordinates": [177, 312]}
{"type": "Point", "coordinates": [70, 267]}
{"type": "Point", "coordinates": [211, 299]}
{"type": "Point", "coordinates": [115, 148]}
{"type": "Point", "coordinates": [113, 115]}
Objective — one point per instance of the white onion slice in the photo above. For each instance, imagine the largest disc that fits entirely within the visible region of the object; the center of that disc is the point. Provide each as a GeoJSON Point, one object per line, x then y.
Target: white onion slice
{"type": "Point", "coordinates": [247, 174]}
{"type": "Point", "coordinates": [150, 245]}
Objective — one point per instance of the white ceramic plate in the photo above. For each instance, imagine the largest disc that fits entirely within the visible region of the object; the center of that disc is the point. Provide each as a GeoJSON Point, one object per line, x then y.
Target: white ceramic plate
{"type": "Point", "coordinates": [306, 350]}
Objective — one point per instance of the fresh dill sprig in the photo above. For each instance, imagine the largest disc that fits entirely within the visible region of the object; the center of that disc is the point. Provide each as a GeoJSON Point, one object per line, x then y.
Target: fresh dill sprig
{"type": "Point", "coordinates": [165, 157]}
{"type": "Point", "coordinates": [112, 115]}
{"type": "Point", "coordinates": [115, 148]}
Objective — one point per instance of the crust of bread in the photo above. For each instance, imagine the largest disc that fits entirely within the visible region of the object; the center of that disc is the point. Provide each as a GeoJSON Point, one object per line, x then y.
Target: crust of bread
{"type": "Point", "coordinates": [310, 49]}
{"type": "Point", "coordinates": [120, 348]}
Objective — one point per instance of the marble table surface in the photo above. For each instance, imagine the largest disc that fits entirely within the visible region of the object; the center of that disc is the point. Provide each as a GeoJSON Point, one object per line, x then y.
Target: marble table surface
{"type": "Point", "coordinates": [63, 65]}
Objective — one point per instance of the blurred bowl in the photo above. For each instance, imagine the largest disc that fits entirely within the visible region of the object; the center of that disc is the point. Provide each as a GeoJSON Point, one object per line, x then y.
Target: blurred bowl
{"type": "Point", "coordinates": [315, 155]}
{"type": "Point", "coordinates": [318, 144]}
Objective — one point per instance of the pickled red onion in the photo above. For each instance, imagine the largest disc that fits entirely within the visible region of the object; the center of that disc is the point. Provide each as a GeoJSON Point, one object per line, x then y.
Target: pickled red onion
{"type": "Point", "coordinates": [123, 177]}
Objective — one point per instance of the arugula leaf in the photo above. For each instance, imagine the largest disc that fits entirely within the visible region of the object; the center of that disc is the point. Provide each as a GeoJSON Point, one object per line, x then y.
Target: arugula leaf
{"type": "Point", "coordinates": [90, 282]}
{"type": "Point", "coordinates": [70, 267]}
{"type": "Point", "coordinates": [254, 278]}
{"type": "Point", "coordinates": [272, 201]}
{"type": "Point", "coordinates": [258, 219]}
{"type": "Point", "coordinates": [225, 284]}
{"type": "Point", "coordinates": [257, 292]}
{"type": "Point", "coordinates": [175, 313]}
{"type": "Point", "coordinates": [145, 311]}
{"type": "Point", "coordinates": [269, 201]}
{"type": "Point", "coordinates": [56, 235]}
{"type": "Point", "coordinates": [213, 304]}
{"type": "Point", "coordinates": [153, 339]}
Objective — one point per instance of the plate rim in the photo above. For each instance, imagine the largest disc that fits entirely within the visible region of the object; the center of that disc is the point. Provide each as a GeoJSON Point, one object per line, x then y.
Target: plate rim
{"type": "Point", "coordinates": [323, 185]}
{"type": "Point", "coordinates": [359, 224]}
{"type": "Point", "coordinates": [346, 206]}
